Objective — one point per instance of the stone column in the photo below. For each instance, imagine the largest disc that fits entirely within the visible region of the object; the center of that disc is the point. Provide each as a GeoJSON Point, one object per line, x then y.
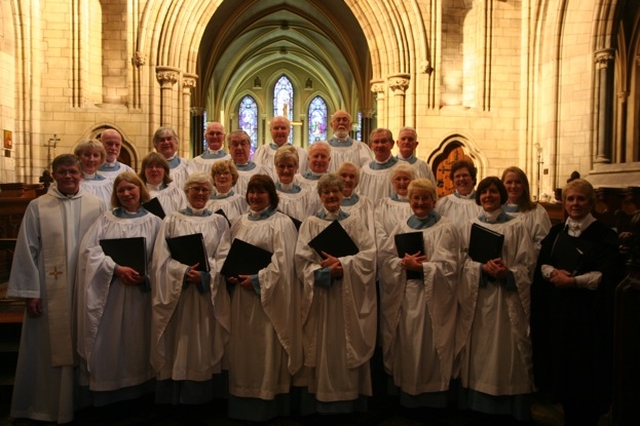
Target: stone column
{"type": "Point", "coordinates": [398, 84]}
{"type": "Point", "coordinates": [196, 131]}
{"type": "Point", "coordinates": [189, 82]}
{"type": "Point", "coordinates": [604, 104]}
{"type": "Point", "coordinates": [378, 87]}
{"type": "Point", "coordinates": [167, 77]}
{"type": "Point", "coordinates": [367, 123]}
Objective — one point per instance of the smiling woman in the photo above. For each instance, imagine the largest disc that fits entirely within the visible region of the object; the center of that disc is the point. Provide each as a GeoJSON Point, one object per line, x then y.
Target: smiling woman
{"type": "Point", "coordinates": [493, 328]}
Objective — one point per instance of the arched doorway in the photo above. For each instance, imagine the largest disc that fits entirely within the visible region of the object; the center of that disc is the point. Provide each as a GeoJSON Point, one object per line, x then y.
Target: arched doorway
{"type": "Point", "coordinates": [442, 166]}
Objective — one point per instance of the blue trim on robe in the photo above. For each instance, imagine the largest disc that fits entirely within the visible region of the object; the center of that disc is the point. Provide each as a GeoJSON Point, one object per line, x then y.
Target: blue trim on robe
{"type": "Point", "coordinates": [107, 168]}
{"type": "Point", "coordinates": [337, 143]}
{"type": "Point", "coordinates": [293, 190]}
{"type": "Point", "coordinates": [246, 167]}
{"type": "Point", "coordinates": [351, 201]}
{"type": "Point", "coordinates": [174, 162]}
{"type": "Point", "coordinates": [432, 218]}
{"type": "Point", "coordinates": [392, 161]}
{"type": "Point", "coordinates": [208, 155]}
{"type": "Point", "coordinates": [310, 175]}
{"type": "Point", "coordinates": [410, 160]}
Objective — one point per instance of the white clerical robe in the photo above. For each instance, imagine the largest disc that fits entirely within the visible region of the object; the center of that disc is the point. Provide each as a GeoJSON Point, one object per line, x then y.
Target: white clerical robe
{"type": "Point", "coordinates": [265, 347]}
{"type": "Point", "coordinates": [388, 213]}
{"type": "Point", "coordinates": [204, 164]}
{"type": "Point", "coordinates": [181, 172]}
{"type": "Point", "coordinates": [233, 206]}
{"type": "Point", "coordinates": [189, 329]}
{"type": "Point", "coordinates": [339, 323]}
{"type": "Point", "coordinates": [363, 209]}
{"type": "Point", "coordinates": [375, 183]}
{"type": "Point", "coordinates": [458, 210]}
{"type": "Point", "coordinates": [101, 188]}
{"type": "Point", "coordinates": [299, 205]}
{"type": "Point", "coordinates": [419, 315]}
{"type": "Point", "coordinates": [358, 153]}
{"type": "Point", "coordinates": [492, 335]}
{"type": "Point", "coordinates": [171, 198]}
{"type": "Point", "coordinates": [114, 320]}
{"type": "Point", "coordinates": [44, 265]}
{"type": "Point", "coordinates": [245, 175]}
{"type": "Point", "coordinates": [112, 172]}
{"type": "Point", "coordinates": [537, 223]}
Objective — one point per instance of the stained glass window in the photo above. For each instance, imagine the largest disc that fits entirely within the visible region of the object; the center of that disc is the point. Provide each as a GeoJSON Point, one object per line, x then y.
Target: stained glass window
{"type": "Point", "coordinates": [248, 120]}
{"type": "Point", "coordinates": [359, 129]}
{"type": "Point", "coordinates": [283, 100]}
{"type": "Point", "coordinates": [317, 116]}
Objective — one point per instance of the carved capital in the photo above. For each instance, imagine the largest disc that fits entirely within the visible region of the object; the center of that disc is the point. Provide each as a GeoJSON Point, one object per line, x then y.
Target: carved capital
{"type": "Point", "coordinates": [189, 81]}
{"type": "Point", "coordinates": [399, 83]}
{"type": "Point", "coordinates": [377, 86]}
{"type": "Point", "coordinates": [603, 58]}
{"type": "Point", "coordinates": [167, 76]}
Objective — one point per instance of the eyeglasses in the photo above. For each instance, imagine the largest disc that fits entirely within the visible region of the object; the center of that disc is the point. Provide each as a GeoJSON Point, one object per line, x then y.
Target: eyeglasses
{"type": "Point", "coordinates": [198, 190]}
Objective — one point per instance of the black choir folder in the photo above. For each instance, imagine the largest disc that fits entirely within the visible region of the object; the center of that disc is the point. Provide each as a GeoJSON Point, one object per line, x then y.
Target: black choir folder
{"type": "Point", "coordinates": [131, 252]}
{"type": "Point", "coordinates": [154, 206]}
{"type": "Point", "coordinates": [568, 252]}
{"type": "Point", "coordinates": [485, 244]}
{"type": "Point", "coordinates": [410, 243]}
{"type": "Point", "coordinates": [189, 250]}
{"type": "Point", "coordinates": [245, 259]}
{"type": "Point", "coordinates": [334, 240]}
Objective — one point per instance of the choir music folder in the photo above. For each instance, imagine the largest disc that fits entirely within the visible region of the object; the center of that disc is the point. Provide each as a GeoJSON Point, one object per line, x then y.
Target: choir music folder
{"type": "Point", "coordinates": [485, 244]}
{"type": "Point", "coordinates": [334, 240]}
{"type": "Point", "coordinates": [131, 252]}
{"type": "Point", "coordinates": [410, 243]}
{"type": "Point", "coordinates": [154, 206]}
{"type": "Point", "coordinates": [568, 252]}
{"type": "Point", "coordinates": [245, 259]}
{"type": "Point", "coordinates": [189, 250]}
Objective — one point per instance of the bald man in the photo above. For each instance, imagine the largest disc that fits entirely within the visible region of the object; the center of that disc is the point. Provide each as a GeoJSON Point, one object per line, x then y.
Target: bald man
{"type": "Point", "coordinates": [214, 134]}
{"type": "Point", "coordinates": [280, 128]}
{"type": "Point", "coordinates": [112, 142]}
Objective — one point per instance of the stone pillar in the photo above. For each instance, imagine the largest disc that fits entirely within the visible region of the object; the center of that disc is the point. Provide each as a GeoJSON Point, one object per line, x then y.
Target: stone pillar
{"type": "Point", "coordinates": [398, 84]}
{"type": "Point", "coordinates": [378, 87]}
{"type": "Point", "coordinates": [196, 131]}
{"type": "Point", "coordinates": [189, 82]}
{"type": "Point", "coordinates": [604, 104]}
{"type": "Point", "coordinates": [367, 123]}
{"type": "Point", "coordinates": [167, 77]}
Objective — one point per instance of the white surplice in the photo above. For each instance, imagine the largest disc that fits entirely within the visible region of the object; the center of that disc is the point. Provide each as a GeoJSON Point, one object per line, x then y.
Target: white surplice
{"type": "Point", "coordinates": [44, 265]}
{"type": "Point", "coordinates": [101, 188]}
{"type": "Point", "coordinates": [358, 153]}
{"type": "Point", "coordinates": [265, 347]}
{"type": "Point", "coordinates": [363, 209]}
{"type": "Point", "coordinates": [245, 175]}
{"type": "Point", "coordinates": [181, 172]}
{"type": "Point", "coordinates": [171, 198]}
{"type": "Point", "coordinates": [114, 320]}
{"type": "Point", "coordinates": [419, 315]}
{"type": "Point", "coordinates": [265, 155]}
{"type": "Point", "coordinates": [387, 214]}
{"type": "Point", "coordinates": [492, 335]}
{"type": "Point", "coordinates": [299, 205]}
{"type": "Point", "coordinates": [233, 206]}
{"type": "Point", "coordinates": [339, 323]}
{"type": "Point", "coordinates": [375, 183]}
{"type": "Point", "coordinates": [537, 223]}
{"type": "Point", "coordinates": [189, 329]}
{"type": "Point", "coordinates": [458, 210]}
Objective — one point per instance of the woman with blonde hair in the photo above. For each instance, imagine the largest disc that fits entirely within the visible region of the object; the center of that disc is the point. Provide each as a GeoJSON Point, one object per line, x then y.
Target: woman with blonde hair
{"type": "Point", "coordinates": [92, 155]}
{"type": "Point", "coordinates": [114, 303]}
{"type": "Point", "coordinates": [224, 198]}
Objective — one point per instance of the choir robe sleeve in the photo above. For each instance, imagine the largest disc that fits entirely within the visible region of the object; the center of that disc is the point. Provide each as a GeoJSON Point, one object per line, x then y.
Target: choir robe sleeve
{"type": "Point", "coordinates": [440, 276]}
{"type": "Point", "coordinates": [357, 286]}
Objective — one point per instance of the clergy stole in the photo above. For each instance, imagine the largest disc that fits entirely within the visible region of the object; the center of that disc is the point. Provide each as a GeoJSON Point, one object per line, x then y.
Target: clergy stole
{"type": "Point", "coordinates": [59, 229]}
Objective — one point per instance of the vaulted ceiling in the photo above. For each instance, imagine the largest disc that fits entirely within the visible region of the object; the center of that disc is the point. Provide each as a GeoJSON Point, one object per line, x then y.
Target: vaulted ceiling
{"type": "Point", "coordinates": [318, 38]}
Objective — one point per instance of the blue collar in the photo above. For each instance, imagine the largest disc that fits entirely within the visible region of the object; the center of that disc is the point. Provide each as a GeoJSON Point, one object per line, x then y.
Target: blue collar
{"type": "Point", "coordinates": [221, 196]}
{"type": "Point", "coordinates": [351, 201]}
{"type": "Point", "coordinates": [246, 167]}
{"type": "Point", "coordinates": [188, 211]}
{"type": "Point", "coordinates": [107, 168]}
{"type": "Point", "coordinates": [293, 190]}
{"type": "Point", "coordinates": [322, 214]}
{"type": "Point", "coordinates": [119, 212]}
{"type": "Point", "coordinates": [208, 155]}
{"type": "Point", "coordinates": [501, 218]}
{"type": "Point", "coordinates": [174, 162]}
{"type": "Point", "coordinates": [310, 175]}
{"type": "Point", "coordinates": [266, 213]}
{"type": "Point", "coordinates": [395, 197]}
{"type": "Point", "coordinates": [410, 160]}
{"type": "Point", "coordinates": [392, 161]}
{"type": "Point", "coordinates": [432, 218]}
{"type": "Point", "coordinates": [511, 208]}
{"type": "Point", "coordinates": [337, 143]}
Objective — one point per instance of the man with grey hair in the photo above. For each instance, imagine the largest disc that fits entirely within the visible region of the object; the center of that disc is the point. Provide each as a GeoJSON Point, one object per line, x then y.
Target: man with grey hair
{"type": "Point", "coordinates": [280, 128]}
{"type": "Point", "coordinates": [214, 134]}
{"type": "Point", "coordinates": [240, 149]}
{"type": "Point", "coordinates": [165, 141]}
{"type": "Point", "coordinates": [407, 143]}
{"type": "Point", "coordinates": [111, 139]}
{"type": "Point", "coordinates": [374, 176]}
{"type": "Point", "coordinates": [43, 274]}
{"type": "Point", "coordinates": [343, 148]}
